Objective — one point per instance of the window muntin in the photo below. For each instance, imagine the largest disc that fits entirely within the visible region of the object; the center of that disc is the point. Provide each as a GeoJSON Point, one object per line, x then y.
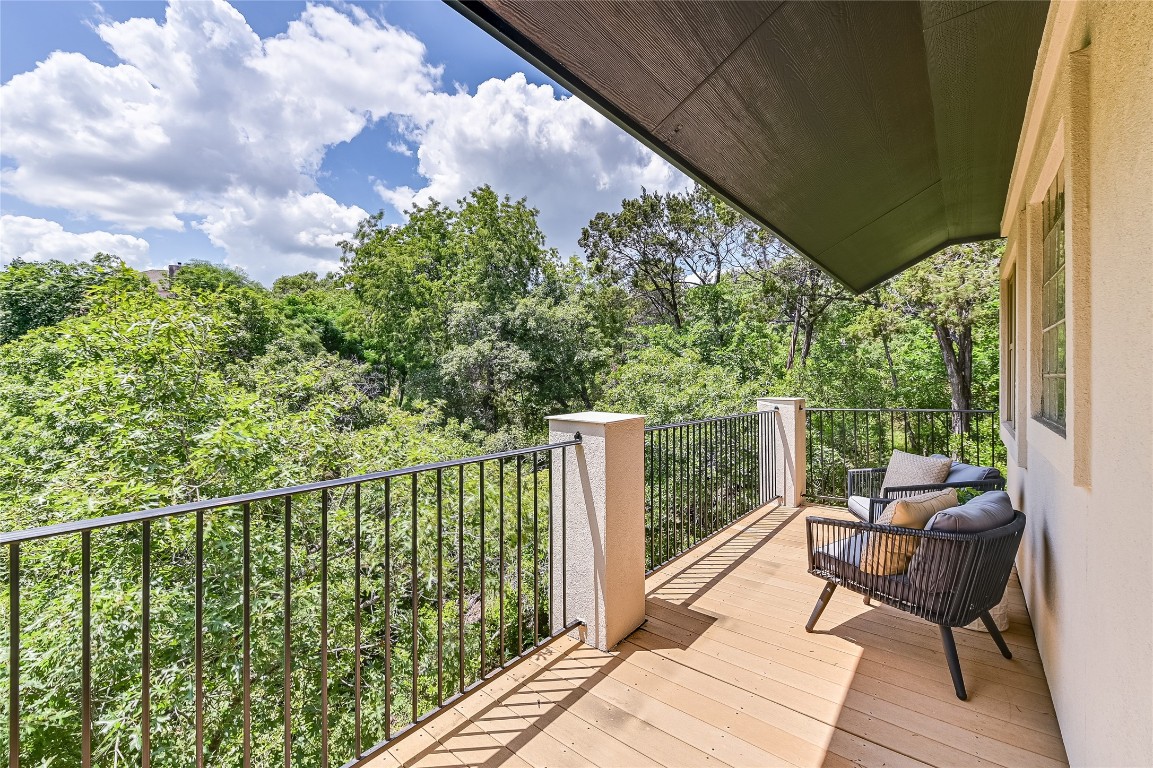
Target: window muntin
{"type": "Point", "coordinates": [1053, 303]}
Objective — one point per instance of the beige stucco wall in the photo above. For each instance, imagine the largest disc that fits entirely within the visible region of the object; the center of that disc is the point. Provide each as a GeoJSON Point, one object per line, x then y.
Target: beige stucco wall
{"type": "Point", "coordinates": [1087, 561]}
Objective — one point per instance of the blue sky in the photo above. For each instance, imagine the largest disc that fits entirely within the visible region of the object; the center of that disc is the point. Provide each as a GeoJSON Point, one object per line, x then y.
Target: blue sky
{"type": "Point", "coordinates": [259, 133]}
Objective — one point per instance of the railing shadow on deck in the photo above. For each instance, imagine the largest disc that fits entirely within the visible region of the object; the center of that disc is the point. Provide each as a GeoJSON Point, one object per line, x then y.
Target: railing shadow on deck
{"type": "Point", "coordinates": [513, 718]}
{"type": "Point", "coordinates": [750, 533]}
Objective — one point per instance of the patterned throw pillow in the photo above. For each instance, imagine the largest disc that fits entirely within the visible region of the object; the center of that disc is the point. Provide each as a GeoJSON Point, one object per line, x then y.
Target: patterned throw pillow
{"type": "Point", "coordinates": [910, 469]}
{"type": "Point", "coordinates": [888, 555]}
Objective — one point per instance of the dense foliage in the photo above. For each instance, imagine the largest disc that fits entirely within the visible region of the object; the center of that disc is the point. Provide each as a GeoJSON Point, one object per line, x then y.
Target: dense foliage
{"type": "Point", "coordinates": [453, 334]}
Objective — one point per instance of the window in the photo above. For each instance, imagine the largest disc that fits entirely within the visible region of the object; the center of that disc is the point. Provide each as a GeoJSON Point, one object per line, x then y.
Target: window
{"type": "Point", "coordinates": [1010, 366]}
{"type": "Point", "coordinates": [1053, 303]}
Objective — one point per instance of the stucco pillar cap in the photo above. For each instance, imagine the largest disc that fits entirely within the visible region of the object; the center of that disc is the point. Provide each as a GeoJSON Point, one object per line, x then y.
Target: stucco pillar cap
{"type": "Point", "coordinates": [596, 417]}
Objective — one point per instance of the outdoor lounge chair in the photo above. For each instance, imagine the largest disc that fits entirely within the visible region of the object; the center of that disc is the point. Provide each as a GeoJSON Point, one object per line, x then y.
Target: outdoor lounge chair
{"type": "Point", "coordinates": [867, 499]}
{"type": "Point", "coordinates": [951, 580]}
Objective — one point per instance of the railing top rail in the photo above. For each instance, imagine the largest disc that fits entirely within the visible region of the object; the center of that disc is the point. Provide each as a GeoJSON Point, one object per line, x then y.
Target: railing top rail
{"type": "Point", "coordinates": [79, 526]}
{"type": "Point", "coordinates": [656, 427]}
{"type": "Point", "coordinates": [905, 410]}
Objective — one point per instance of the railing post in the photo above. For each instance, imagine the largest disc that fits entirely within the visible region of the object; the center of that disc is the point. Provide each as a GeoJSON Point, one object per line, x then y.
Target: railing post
{"type": "Point", "coordinates": [598, 526]}
{"type": "Point", "coordinates": [789, 462]}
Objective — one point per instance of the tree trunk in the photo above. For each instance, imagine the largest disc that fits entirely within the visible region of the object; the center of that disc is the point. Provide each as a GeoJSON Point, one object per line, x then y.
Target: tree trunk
{"type": "Point", "coordinates": [808, 345]}
{"type": "Point", "coordinates": [958, 357]}
{"type": "Point", "coordinates": [793, 338]}
{"type": "Point", "coordinates": [889, 360]}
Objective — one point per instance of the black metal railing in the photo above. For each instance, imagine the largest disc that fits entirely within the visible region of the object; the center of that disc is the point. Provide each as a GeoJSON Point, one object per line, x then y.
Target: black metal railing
{"type": "Point", "coordinates": [309, 625]}
{"type": "Point", "coordinates": [840, 439]}
{"type": "Point", "coordinates": [702, 475]}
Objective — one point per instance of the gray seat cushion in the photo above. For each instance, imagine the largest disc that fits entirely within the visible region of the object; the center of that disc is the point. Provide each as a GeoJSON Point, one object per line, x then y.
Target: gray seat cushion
{"type": "Point", "coordinates": [842, 559]}
{"type": "Point", "coordinates": [859, 506]}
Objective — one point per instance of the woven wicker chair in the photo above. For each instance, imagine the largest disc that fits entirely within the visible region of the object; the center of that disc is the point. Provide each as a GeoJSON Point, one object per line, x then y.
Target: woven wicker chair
{"type": "Point", "coordinates": [867, 483]}
{"type": "Point", "coordinates": [952, 579]}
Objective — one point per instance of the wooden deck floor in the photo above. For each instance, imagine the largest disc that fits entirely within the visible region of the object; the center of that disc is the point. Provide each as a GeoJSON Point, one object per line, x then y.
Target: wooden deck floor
{"type": "Point", "coordinates": [723, 673]}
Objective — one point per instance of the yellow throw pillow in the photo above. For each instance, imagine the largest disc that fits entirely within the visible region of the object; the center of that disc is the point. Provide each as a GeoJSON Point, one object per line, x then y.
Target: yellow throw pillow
{"type": "Point", "coordinates": [888, 555]}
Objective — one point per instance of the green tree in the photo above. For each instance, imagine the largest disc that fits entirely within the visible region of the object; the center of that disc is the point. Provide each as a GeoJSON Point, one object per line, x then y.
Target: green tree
{"type": "Point", "coordinates": [798, 294]}
{"type": "Point", "coordinates": [38, 294]}
{"type": "Point", "coordinates": [956, 294]}
{"type": "Point", "coordinates": [658, 245]}
{"type": "Point", "coordinates": [454, 306]}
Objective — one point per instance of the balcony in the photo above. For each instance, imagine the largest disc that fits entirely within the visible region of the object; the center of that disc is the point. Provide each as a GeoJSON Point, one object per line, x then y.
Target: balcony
{"type": "Point", "coordinates": [623, 595]}
{"type": "Point", "coordinates": [723, 673]}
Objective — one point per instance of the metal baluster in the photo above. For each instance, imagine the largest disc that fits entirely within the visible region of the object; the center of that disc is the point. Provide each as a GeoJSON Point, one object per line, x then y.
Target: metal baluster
{"type": "Point", "coordinates": [680, 469]}
{"type": "Point", "coordinates": [501, 570]}
{"type": "Point", "coordinates": [535, 549]}
{"type": "Point", "coordinates": [726, 476]}
{"type": "Point", "coordinates": [519, 559]}
{"type": "Point", "coordinates": [439, 587]}
{"type": "Point", "coordinates": [810, 475]}
{"type": "Point", "coordinates": [324, 628]}
{"type": "Point", "coordinates": [288, 631]}
{"type": "Point", "coordinates": [664, 495]}
{"type": "Point", "coordinates": [415, 610]}
{"type": "Point", "coordinates": [650, 528]}
{"type": "Point", "coordinates": [693, 484]}
{"type": "Point", "coordinates": [460, 576]}
{"type": "Point", "coordinates": [387, 608]}
{"type": "Point", "coordinates": [675, 467]}
{"type": "Point", "coordinates": [86, 649]}
{"type": "Point", "coordinates": [246, 635]}
{"type": "Point", "coordinates": [357, 713]}
{"type": "Point", "coordinates": [551, 545]}
{"type": "Point", "coordinates": [564, 535]}
{"type": "Point", "coordinates": [14, 655]}
{"type": "Point", "coordinates": [704, 514]}
{"type": "Point", "coordinates": [483, 569]}
{"type": "Point", "coordinates": [198, 642]}
{"type": "Point", "coordinates": [710, 452]}
{"type": "Point", "coordinates": [146, 644]}
{"type": "Point", "coordinates": [704, 445]}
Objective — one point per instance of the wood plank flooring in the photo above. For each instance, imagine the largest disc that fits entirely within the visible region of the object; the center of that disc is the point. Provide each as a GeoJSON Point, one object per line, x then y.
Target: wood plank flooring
{"type": "Point", "coordinates": [722, 673]}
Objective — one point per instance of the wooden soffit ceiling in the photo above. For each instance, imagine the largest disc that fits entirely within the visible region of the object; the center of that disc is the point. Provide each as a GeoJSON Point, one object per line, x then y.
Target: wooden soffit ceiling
{"type": "Point", "coordinates": [868, 135]}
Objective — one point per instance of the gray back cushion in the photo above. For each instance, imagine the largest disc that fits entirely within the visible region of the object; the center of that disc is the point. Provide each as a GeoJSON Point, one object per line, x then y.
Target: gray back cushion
{"type": "Point", "coordinates": [990, 510]}
{"type": "Point", "coordinates": [937, 564]}
{"type": "Point", "coordinates": [968, 473]}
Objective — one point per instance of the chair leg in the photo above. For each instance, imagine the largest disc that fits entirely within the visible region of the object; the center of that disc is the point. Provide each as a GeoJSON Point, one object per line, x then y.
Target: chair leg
{"type": "Point", "coordinates": [996, 633]}
{"type": "Point", "coordinates": [819, 608]}
{"type": "Point", "coordinates": [954, 662]}
{"type": "Point", "coordinates": [868, 601]}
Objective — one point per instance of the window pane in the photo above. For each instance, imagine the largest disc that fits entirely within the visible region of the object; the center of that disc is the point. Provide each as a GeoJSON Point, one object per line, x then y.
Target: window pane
{"type": "Point", "coordinates": [1060, 348]}
{"type": "Point", "coordinates": [1053, 301]}
{"type": "Point", "coordinates": [1058, 297]}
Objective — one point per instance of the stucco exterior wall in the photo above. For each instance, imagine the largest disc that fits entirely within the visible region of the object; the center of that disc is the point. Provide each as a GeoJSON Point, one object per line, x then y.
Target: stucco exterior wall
{"type": "Point", "coordinates": [1086, 564]}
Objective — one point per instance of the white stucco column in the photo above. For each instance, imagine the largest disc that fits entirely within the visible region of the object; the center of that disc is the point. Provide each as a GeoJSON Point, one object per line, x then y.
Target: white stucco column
{"type": "Point", "coordinates": [789, 416]}
{"type": "Point", "coordinates": [598, 525]}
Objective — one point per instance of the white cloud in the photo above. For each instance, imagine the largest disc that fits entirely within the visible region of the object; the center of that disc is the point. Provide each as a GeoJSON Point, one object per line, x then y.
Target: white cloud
{"type": "Point", "coordinates": [281, 236]}
{"type": "Point", "coordinates": [23, 237]}
{"type": "Point", "coordinates": [203, 115]}
{"type": "Point", "coordinates": [204, 123]}
{"type": "Point", "coordinates": [568, 160]}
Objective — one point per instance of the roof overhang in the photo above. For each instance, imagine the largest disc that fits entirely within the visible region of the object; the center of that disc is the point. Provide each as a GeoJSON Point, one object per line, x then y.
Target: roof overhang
{"type": "Point", "coordinates": [867, 135]}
